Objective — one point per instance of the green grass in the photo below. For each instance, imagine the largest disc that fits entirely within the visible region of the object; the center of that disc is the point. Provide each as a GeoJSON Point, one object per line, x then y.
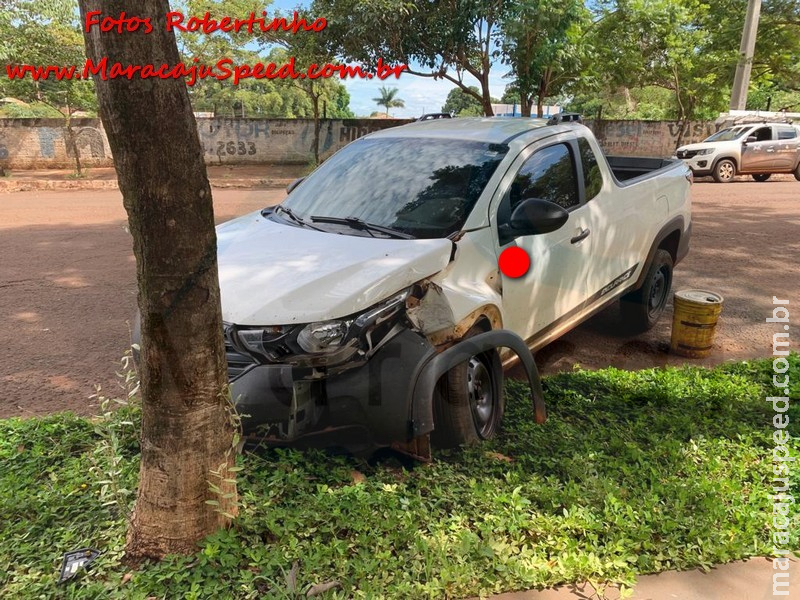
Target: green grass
{"type": "Point", "coordinates": [635, 472]}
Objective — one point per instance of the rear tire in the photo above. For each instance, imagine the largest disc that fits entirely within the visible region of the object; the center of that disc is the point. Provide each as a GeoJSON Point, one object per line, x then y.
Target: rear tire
{"type": "Point", "coordinates": [797, 172]}
{"type": "Point", "coordinates": [468, 401]}
{"type": "Point", "coordinates": [724, 171]}
{"type": "Point", "coordinates": [640, 310]}
{"type": "Point", "coordinates": [761, 176]}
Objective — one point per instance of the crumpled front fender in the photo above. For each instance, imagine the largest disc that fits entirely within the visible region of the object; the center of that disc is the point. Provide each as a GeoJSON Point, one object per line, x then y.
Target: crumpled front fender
{"type": "Point", "coordinates": [438, 365]}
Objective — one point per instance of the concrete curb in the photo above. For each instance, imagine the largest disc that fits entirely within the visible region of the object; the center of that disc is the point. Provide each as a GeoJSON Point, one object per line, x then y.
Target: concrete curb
{"type": "Point", "coordinates": [28, 185]}
{"type": "Point", "coordinates": [739, 580]}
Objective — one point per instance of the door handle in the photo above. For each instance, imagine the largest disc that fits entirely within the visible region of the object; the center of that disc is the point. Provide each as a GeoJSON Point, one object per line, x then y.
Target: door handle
{"type": "Point", "coordinates": [581, 236]}
{"type": "Point", "coordinates": [770, 149]}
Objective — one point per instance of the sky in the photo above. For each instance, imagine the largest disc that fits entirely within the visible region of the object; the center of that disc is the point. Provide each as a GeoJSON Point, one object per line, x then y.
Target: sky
{"type": "Point", "coordinates": [420, 94]}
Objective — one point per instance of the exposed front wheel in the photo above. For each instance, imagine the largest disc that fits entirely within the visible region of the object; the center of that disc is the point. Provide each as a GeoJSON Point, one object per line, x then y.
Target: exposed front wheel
{"type": "Point", "coordinates": [642, 309]}
{"type": "Point", "coordinates": [797, 172]}
{"type": "Point", "coordinates": [724, 171]}
{"type": "Point", "coordinates": [468, 401]}
{"type": "Point", "coordinates": [761, 176]}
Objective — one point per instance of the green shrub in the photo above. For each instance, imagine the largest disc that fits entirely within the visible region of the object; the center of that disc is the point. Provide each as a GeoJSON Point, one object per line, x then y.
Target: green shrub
{"type": "Point", "coordinates": [635, 472]}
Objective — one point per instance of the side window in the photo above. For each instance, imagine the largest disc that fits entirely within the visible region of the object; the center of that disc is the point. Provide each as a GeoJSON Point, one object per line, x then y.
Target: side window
{"type": "Point", "coordinates": [592, 177]}
{"type": "Point", "coordinates": [787, 133]}
{"type": "Point", "coordinates": [763, 134]}
{"type": "Point", "coordinates": [550, 175]}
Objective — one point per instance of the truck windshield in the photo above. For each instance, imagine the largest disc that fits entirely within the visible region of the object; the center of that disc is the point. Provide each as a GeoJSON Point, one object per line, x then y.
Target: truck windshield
{"type": "Point", "coordinates": [727, 135]}
{"type": "Point", "coordinates": [424, 188]}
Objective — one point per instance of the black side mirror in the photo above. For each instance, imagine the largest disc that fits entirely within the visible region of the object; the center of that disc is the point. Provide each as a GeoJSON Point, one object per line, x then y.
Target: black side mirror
{"type": "Point", "coordinates": [750, 139]}
{"type": "Point", "coordinates": [533, 216]}
{"type": "Point", "coordinates": [294, 184]}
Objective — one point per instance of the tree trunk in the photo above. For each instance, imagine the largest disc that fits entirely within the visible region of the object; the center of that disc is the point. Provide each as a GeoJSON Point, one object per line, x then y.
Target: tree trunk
{"type": "Point", "coordinates": [187, 432]}
{"type": "Point", "coordinates": [486, 98]}
{"type": "Point", "coordinates": [630, 105]}
{"type": "Point", "coordinates": [317, 124]}
{"type": "Point", "coordinates": [72, 144]}
{"type": "Point", "coordinates": [525, 105]}
{"type": "Point", "coordinates": [543, 92]}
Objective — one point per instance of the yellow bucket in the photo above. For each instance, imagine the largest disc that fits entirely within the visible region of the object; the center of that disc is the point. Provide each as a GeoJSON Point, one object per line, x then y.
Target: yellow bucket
{"type": "Point", "coordinates": [694, 322]}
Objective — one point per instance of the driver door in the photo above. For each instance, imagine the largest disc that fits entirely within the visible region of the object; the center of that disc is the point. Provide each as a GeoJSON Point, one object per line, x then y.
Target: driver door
{"type": "Point", "coordinates": [555, 284]}
{"type": "Point", "coordinates": [759, 156]}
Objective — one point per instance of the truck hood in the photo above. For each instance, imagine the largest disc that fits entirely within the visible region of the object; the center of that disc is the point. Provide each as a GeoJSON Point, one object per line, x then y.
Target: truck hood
{"type": "Point", "coordinates": [276, 274]}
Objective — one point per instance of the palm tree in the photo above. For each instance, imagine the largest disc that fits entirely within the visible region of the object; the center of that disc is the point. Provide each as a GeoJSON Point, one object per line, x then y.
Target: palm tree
{"type": "Point", "coordinates": [387, 99]}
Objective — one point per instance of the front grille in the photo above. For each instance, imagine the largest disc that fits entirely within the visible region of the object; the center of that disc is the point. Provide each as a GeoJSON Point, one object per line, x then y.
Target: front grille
{"type": "Point", "coordinates": [238, 363]}
{"type": "Point", "coordinates": [687, 153]}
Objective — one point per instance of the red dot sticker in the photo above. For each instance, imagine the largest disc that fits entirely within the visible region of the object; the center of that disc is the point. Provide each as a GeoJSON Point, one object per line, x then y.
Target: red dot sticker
{"type": "Point", "coordinates": [514, 262]}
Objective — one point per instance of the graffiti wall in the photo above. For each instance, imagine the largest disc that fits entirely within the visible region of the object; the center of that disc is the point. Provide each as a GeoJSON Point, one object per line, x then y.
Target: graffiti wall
{"type": "Point", "coordinates": [649, 138]}
{"type": "Point", "coordinates": [41, 143]}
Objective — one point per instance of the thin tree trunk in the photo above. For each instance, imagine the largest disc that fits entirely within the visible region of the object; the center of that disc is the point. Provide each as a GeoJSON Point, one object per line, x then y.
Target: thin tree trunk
{"type": "Point", "coordinates": [317, 124]}
{"type": "Point", "coordinates": [630, 105]}
{"type": "Point", "coordinates": [186, 427]}
{"type": "Point", "coordinates": [486, 96]}
{"type": "Point", "coordinates": [544, 88]}
{"type": "Point", "coordinates": [525, 105]}
{"type": "Point", "coordinates": [681, 110]}
{"type": "Point", "coordinates": [72, 144]}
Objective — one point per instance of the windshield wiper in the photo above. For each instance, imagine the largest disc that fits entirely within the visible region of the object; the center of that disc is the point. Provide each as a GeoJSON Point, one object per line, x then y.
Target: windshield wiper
{"type": "Point", "coordinates": [362, 225]}
{"type": "Point", "coordinates": [289, 213]}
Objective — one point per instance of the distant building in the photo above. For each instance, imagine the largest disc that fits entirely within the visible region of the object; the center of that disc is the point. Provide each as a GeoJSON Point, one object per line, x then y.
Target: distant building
{"type": "Point", "coordinates": [513, 110]}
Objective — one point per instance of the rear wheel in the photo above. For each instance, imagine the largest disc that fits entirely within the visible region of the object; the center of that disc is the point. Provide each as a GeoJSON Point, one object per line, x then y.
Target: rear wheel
{"type": "Point", "coordinates": [724, 171]}
{"type": "Point", "coordinates": [641, 309]}
{"type": "Point", "coordinates": [797, 172]}
{"type": "Point", "coordinates": [468, 401]}
{"type": "Point", "coordinates": [761, 176]}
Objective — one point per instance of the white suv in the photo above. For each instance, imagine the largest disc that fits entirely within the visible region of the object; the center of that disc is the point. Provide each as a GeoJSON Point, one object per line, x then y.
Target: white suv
{"type": "Point", "coordinates": [759, 149]}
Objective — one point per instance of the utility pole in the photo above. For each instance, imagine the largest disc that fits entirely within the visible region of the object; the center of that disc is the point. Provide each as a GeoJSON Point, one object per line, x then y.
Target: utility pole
{"type": "Point", "coordinates": [746, 51]}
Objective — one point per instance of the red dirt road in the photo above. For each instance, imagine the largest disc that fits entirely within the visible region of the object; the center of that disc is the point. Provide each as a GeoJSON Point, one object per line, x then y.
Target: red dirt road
{"type": "Point", "coordinates": [67, 291]}
{"type": "Point", "coordinates": [67, 288]}
{"type": "Point", "coordinates": [745, 246]}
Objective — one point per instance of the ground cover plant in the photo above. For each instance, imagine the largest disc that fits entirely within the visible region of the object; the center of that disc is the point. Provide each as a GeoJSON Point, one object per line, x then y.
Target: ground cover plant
{"type": "Point", "coordinates": [635, 472]}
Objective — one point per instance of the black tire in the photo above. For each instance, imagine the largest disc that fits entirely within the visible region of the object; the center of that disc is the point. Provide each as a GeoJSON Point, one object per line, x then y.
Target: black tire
{"type": "Point", "coordinates": [468, 401]}
{"type": "Point", "coordinates": [641, 309]}
{"type": "Point", "coordinates": [797, 172]}
{"type": "Point", "coordinates": [761, 176]}
{"type": "Point", "coordinates": [724, 171]}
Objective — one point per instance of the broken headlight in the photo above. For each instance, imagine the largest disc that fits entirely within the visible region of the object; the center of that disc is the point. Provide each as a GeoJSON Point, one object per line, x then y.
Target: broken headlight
{"type": "Point", "coordinates": [326, 336]}
{"type": "Point", "coordinates": [319, 337]}
{"type": "Point", "coordinates": [325, 343]}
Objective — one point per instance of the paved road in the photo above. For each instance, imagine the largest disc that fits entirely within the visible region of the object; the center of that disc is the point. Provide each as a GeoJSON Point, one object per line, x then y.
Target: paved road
{"type": "Point", "coordinates": [67, 287]}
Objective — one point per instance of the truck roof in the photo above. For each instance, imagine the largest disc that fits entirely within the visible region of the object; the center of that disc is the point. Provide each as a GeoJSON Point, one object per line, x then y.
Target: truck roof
{"type": "Point", "coordinates": [492, 130]}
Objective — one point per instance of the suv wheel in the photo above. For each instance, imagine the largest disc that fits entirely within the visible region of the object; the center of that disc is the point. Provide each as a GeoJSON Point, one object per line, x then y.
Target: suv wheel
{"type": "Point", "coordinates": [468, 401]}
{"type": "Point", "coordinates": [640, 310]}
{"type": "Point", "coordinates": [724, 171]}
{"type": "Point", "coordinates": [797, 172]}
{"type": "Point", "coordinates": [761, 176]}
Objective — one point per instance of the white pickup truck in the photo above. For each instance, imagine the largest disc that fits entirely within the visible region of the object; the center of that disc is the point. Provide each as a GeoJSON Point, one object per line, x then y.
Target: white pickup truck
{"type": "Point", "coordinates": [369, 307]}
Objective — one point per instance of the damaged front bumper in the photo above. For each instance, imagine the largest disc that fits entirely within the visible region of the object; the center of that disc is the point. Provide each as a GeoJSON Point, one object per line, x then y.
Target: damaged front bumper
{"type": "Point", "coordinates": [386, 401]}
{"type": "Point", "coordinates": [282, 403]}
{"type": "Point", "coordinates": [382, 395]}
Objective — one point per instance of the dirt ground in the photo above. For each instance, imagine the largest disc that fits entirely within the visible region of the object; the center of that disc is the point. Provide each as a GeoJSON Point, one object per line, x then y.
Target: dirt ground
{"type": "Point", "coordinates": [67, 288]}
